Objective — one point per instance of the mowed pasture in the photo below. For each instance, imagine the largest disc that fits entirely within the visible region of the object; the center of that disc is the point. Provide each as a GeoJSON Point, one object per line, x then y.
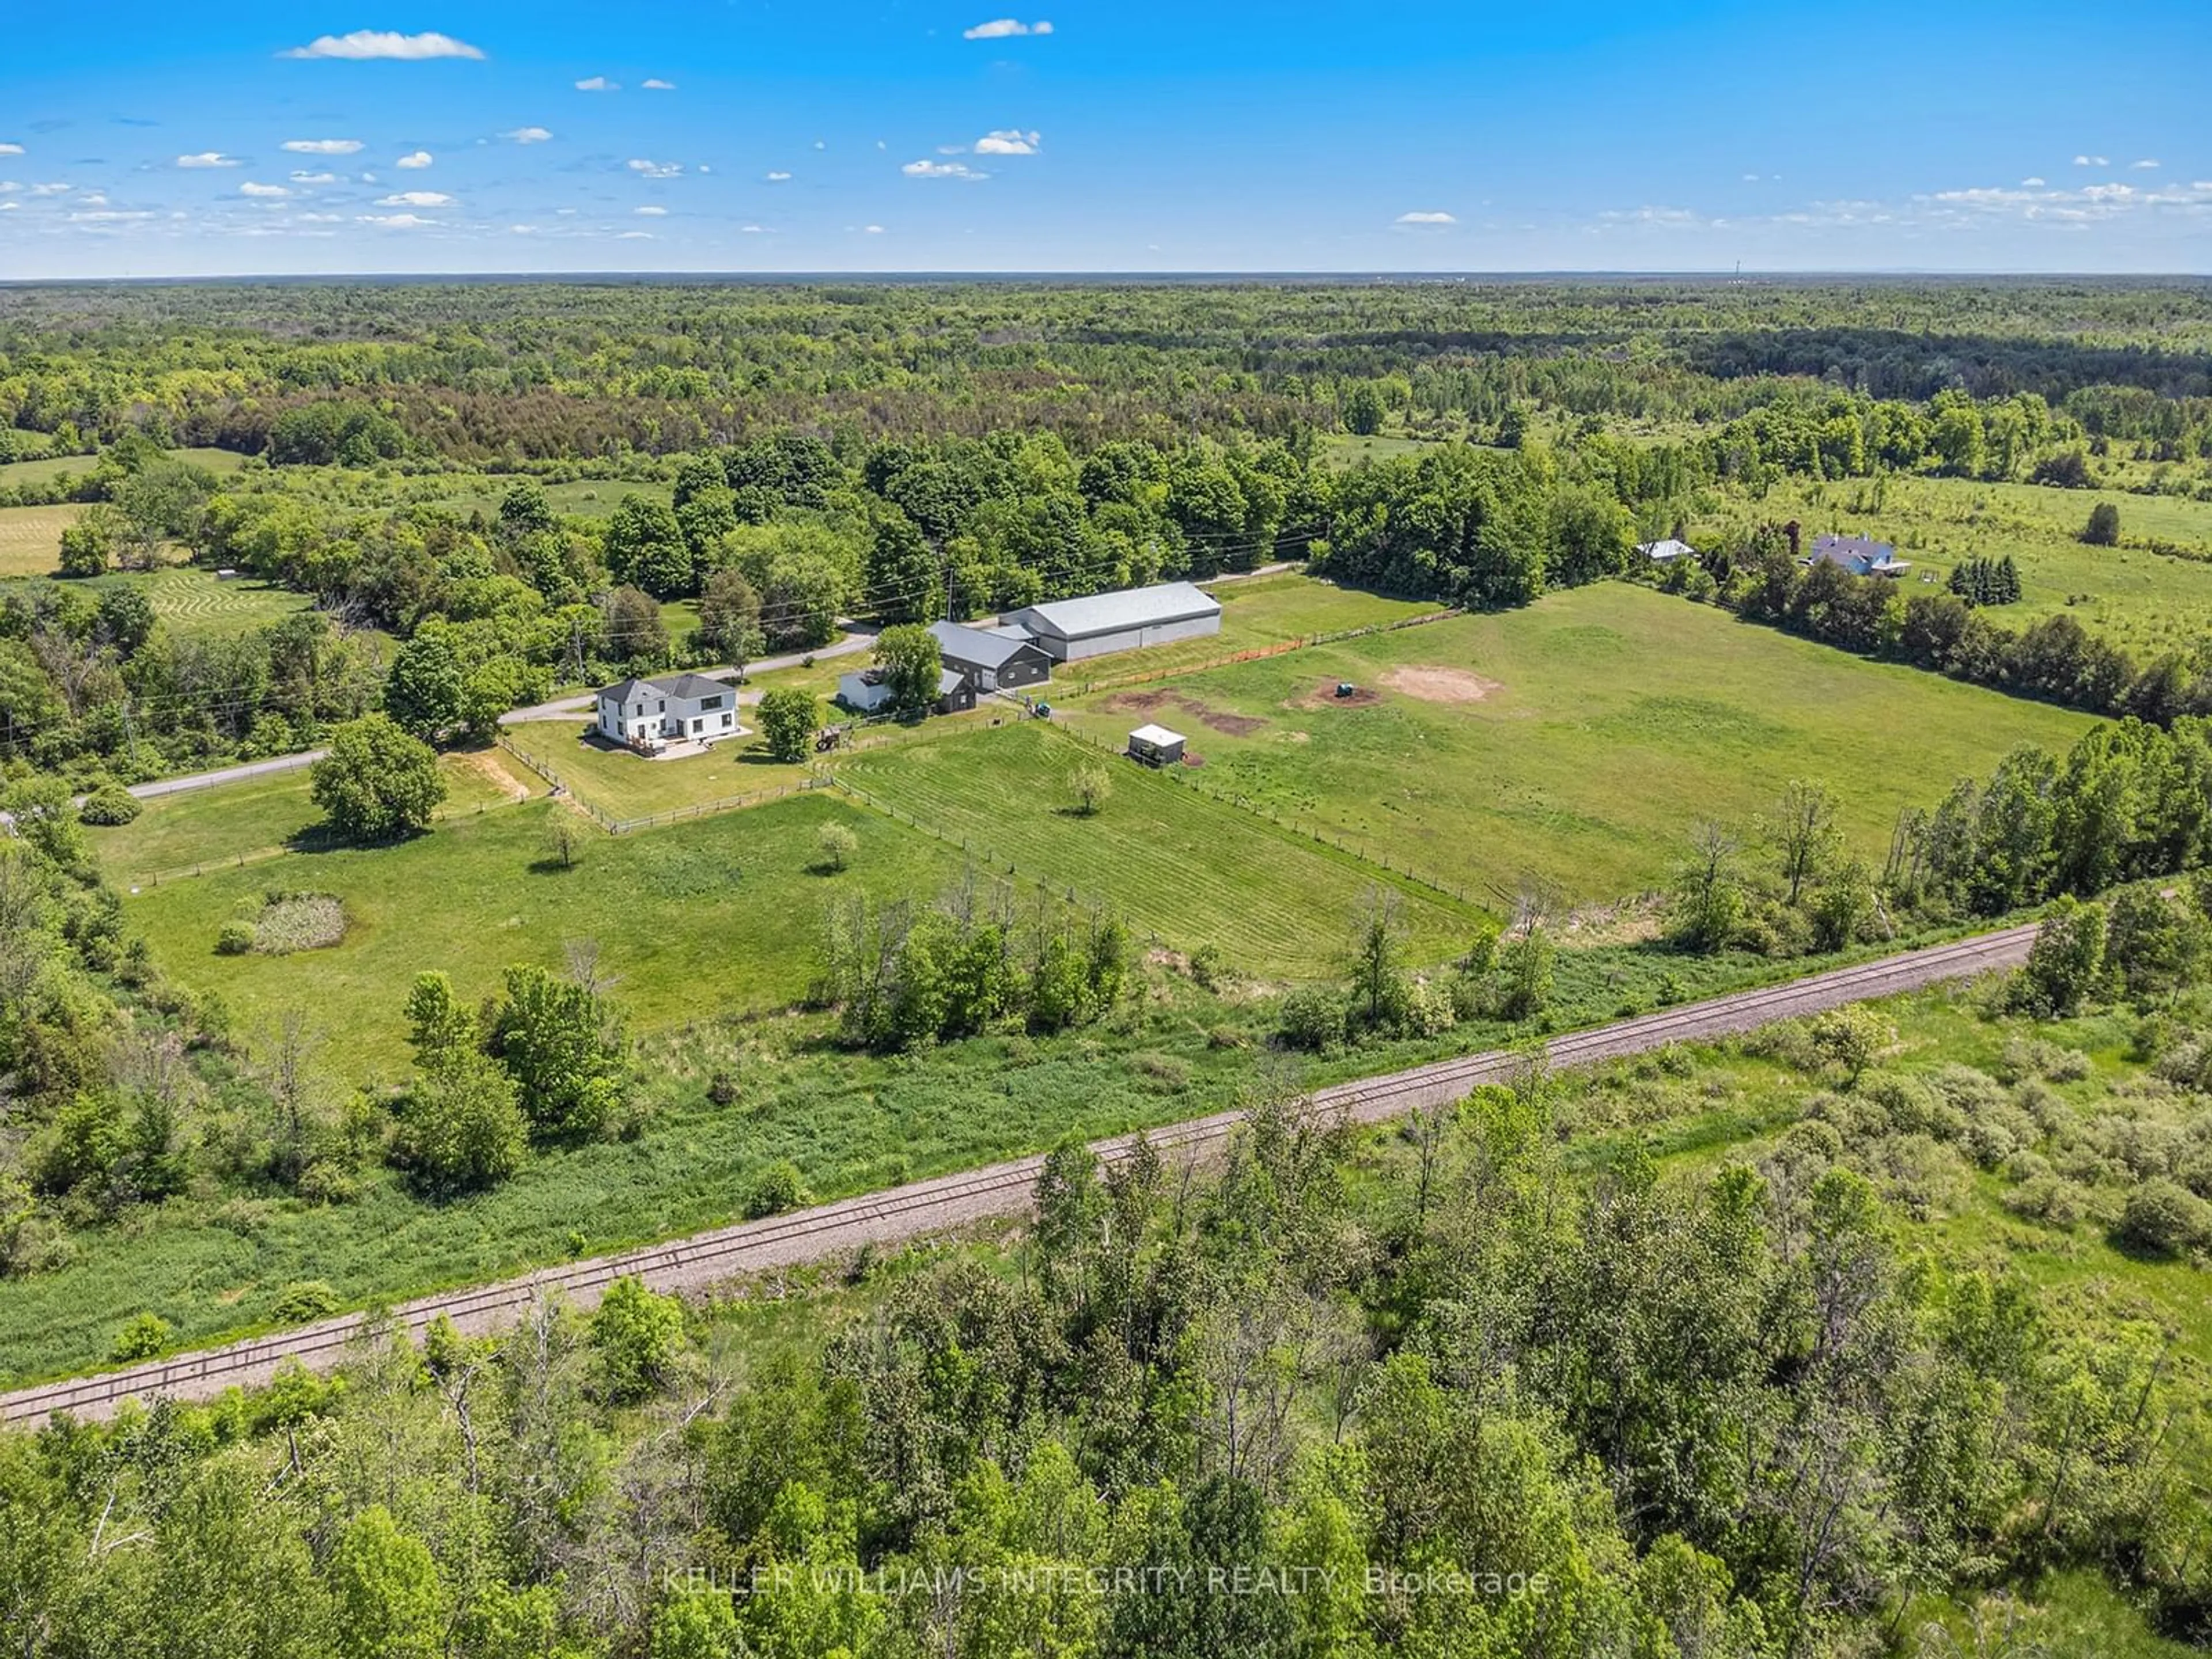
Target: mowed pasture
{"type": "Point", "coordinates": [1179, 866]}
{"type": "Point", "coordinates": [1579, 740]}
{"type": "Point", "coordinates": [231, 824]}
{"type": "Point", "coordinates": [624, 785]}
{"type": "Point", "coordinates": [1258, 613]}
{"type": "Point", "coordinates": [714, 917]}
{"type": "Point", "coordinates": [31, 539]}
{"type": "Point", "coordinates": [2146, 601]}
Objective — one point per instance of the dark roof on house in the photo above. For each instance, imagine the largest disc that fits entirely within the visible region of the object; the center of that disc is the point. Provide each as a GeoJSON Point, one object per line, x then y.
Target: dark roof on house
{"type": "Point", "coordinates": [991, 649]}
{"type": "Point", "coordinates": [1132, 607]}
{"type": "Point", "coordinates": [690, 687]}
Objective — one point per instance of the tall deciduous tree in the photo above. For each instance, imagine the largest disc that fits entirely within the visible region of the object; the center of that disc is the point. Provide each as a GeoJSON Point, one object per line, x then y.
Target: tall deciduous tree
{"type": "Point", "coordinates": [377, 783]}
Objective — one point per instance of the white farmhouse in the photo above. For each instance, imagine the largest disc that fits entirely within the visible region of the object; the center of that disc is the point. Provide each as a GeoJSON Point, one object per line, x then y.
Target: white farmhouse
{"type": "Point", "coordinates": [678, 708]}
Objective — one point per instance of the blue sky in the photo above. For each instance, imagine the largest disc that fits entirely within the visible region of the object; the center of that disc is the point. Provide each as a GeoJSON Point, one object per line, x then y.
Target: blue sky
{"type": "Point", "coordinates": [928, 134]}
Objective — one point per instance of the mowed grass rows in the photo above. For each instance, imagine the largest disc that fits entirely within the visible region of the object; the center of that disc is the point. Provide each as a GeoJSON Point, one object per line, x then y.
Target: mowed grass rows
{"type": "Point", "coordinates": [1178, 865]}
{"type": "Point", "coordinates": [1592, 732]}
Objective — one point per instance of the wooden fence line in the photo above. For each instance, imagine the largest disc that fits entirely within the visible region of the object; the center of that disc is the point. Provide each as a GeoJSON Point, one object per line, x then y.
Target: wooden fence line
{"type": "Point", "coordinates": [1280, 649]}
{"type": "Point", "coordinates": [1189, 780]}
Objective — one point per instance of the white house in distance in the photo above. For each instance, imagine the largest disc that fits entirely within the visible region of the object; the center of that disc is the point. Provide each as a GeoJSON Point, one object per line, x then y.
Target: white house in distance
{"type": "Point", "coordinates": [1068, 630]}
{"type": "Point", "coordinates": [675, 707]}
{"type": "Point", "coordinates": [1860, 555]}
{"type": "Point", "coordinates": [1666, 551]}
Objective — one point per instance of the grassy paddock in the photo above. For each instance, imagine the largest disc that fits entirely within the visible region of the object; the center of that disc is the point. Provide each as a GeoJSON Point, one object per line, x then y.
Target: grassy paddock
{"type": "Point", "coordinates": [626, 785]}
{"type": "Point", "coordinates": [1256, 612]}
{"type": "Point", "coordinates": [703, 919]}
{"type": "Point", "coordinates": [1595, 729]}
{"type": "Point", "coordinates": [263, 816]}
{"type": "Point", "coordinates": [1176, 863]}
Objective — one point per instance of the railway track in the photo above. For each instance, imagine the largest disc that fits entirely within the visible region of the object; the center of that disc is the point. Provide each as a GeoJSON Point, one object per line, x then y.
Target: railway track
{"type": "Point", "coordinates": [996, 1191]}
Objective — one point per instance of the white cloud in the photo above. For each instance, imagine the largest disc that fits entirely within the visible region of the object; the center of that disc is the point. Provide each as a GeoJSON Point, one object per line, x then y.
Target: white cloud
{"type": "Point", "coordinates": [2031, 184]}
{"type": "Point", "coordinates": [943, 170]}
{"type": "Point", "coordinates": [651, 212]}
{"type": "Point", "coordinates": [777, 178]}
{"type": "Point", "coordinates": [17, 207]}
{"type": "Point", "coordinates": [2144, 165]}
{"type": "Point", "coordinates": [656, 169]}
{"type": "Point", "coordinates": [1002, 28]}
{"type": "Point", "coordinates": [315, 179]}
{"type": "Point", "coordinates": [2091, 162]}
{"type": "Point", "coordinates": [753, 230]}
{"type": "Point", "coordinates": [11, 149]}
{"type": "Point", "coordinates": [635, 236]}
{"type": "Point", "coordinates": [527, 135]}
{"type": "Point", "coordinates": [1009, 142]}
{"type": "Point", "coordinates": [1426, 219]}
{"type": "Point", "coordinates": [522, 230]}
{"type": "Point", "coordinates": [364, 44]}
{"type": "Point", "coordinates": [322, 218]}
{"type": "Point", "coordinates": [107, 217]}
{"type": "Point", "coordinates": [263, 193]}
{"type": "Point", "coordinates": [420, 159]}
{"type": "Point", "coordinates": [55, 189]}
{"type": "Point", "coordinates": [94, 200]}
{"type": "Point", "coordinates": [871, 230]}
{"type": "Point", "coordinates": [395, 221]}
{"type": "Point", "coordinates": [597, 83]}
{"type": "Point", "coordinates": [208, 158]}
{"type": "Point", "coordinates": [657, 85]}
{"type": "Point", "coordinates": [324, 146]}
{"type": "Point", "coordinates": [416, 199]}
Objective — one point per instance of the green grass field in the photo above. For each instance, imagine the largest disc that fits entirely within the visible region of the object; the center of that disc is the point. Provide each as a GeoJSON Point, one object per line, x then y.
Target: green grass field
{"type": "Point", "coordinates": [30, 536]}
{"type": "Point", "coordinates": [1598, 728]}
{"type": "Point", "coordinates": [1257, 612]}
{"type": "Point", "coordinates": [236, 821]}
{"type": "Point", "coordinates": [704, 918]}
{"type": "Point", "coordinates": [1174, 862]}
{"type": "Point", "coordinates": [45, 469]}
{"type": "Point", "coordinates": [589, 499]}
{"type": "Point", "coordinates": [2147, 601]}
{"type": "Point", "coordinates": [625, 786]}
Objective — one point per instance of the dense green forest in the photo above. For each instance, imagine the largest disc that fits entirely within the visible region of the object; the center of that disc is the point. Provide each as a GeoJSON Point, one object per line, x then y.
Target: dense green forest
{"type": "Point", "coordinates": [895, 452]}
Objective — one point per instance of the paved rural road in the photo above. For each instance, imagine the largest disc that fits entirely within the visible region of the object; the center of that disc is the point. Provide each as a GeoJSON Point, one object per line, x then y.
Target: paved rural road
{"type": "Point", "coordinates": [998, 1191]}
{"type": "Point", "coordinates": [561, 708]}
{"type": "Point", "coordinates": [226, 775]}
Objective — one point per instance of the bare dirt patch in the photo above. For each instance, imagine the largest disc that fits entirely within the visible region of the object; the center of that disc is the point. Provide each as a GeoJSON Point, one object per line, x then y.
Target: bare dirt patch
{"type": "Point", "coordinates": [1214, 719]}
{"type": "Point", "coordinates": [1324, 695]}
{"type": "Point", "coordinates": [497, 775]}
{"type": "Point", "coordinates": [1440, 685]}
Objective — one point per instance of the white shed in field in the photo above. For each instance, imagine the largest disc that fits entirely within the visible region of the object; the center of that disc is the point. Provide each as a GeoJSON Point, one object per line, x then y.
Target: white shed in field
{"type": "Point", "coordinates": [1068, 630]}
{"type": "Point", "coordinates": [1155, 745]}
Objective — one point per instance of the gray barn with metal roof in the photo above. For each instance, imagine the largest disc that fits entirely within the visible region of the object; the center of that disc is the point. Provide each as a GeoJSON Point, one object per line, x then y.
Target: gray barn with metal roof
{"type": "Point", "coordinates": [1068, 630]}
{"type": "Point", "coordinates": [994, 659]}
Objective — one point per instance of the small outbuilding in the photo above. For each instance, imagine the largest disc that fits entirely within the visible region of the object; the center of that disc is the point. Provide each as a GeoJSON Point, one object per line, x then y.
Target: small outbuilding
{"type": "Point", "coordinates": [869, 692]}
{"type": "Point", "coordinates": [1666, 551]}
{"type": "Point", "coordinates": [993, 659]}
{"type": "Point", "coordinates": [1068, 630]}
{"type": "Point", "coordinates": [1155, 745]}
